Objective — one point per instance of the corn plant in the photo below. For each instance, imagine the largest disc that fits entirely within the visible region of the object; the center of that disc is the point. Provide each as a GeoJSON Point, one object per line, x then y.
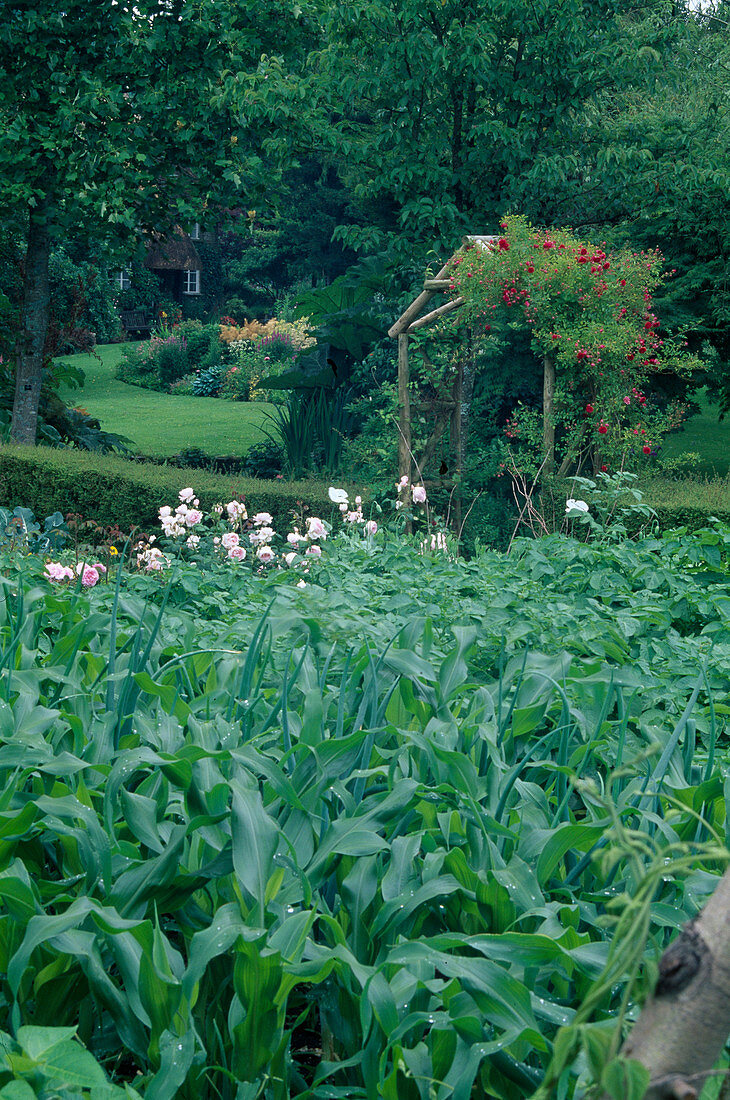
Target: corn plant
{"type": "Point", "coordinates": [409, 831]}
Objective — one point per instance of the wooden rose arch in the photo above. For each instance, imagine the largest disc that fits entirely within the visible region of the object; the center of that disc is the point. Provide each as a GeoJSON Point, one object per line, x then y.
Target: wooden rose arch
{"type": "Point", "coordinates": [450, 412]}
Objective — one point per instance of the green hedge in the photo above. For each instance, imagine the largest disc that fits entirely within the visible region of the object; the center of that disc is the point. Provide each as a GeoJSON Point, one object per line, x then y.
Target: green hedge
{"type": "Point", "coordinates": [688, 502]}
{"type": "Point", "coordinates": [109, 489]}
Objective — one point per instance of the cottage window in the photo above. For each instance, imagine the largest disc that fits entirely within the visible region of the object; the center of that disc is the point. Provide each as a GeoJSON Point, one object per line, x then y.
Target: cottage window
{"type": "Point", "coordinates": [125, 279]}
{"type": "Point", "coordinates": [191, 282]}
{"type": "Point", "coordinates": [195, 232]}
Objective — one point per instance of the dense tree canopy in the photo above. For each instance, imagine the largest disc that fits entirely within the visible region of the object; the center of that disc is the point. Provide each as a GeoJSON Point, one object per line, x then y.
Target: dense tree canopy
{"type": "Point", "coordinates": [381, 126]}
{"type": "Point", "coordinates": [123, 118]}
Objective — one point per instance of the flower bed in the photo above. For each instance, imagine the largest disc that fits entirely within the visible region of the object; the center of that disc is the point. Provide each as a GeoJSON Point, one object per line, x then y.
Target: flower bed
{"type": "Point", "coordinates": [226, 360]}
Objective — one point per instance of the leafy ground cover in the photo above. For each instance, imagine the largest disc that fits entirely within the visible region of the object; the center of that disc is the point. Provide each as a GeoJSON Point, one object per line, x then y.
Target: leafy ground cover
{"type": "Point", "coordinates": [158, 423]}
{"type": "Point", "coordinates": [407, 830]}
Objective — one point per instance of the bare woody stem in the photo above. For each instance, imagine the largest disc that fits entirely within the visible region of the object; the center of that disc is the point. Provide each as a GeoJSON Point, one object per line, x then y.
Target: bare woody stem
{"type": "Point", "coordinates": [548, 421]}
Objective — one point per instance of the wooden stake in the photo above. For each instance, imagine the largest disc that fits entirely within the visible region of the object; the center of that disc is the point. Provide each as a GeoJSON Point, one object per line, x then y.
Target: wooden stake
{"type": "Point", "coordinates": [404, 409]}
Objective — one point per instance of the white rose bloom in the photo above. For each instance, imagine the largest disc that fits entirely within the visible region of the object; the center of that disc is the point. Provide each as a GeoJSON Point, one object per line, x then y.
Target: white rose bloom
{"type": "Point", "coordinates": [337, 496]}
{"type": "Point", "coordinates": [575, 506]}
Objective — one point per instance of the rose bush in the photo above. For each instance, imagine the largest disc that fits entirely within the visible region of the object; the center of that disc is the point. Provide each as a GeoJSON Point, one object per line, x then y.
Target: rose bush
{"type": "Point", "coordinates": [590, 311]}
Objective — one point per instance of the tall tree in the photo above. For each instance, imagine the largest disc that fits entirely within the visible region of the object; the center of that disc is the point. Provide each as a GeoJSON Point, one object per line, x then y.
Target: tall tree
{"type": "Point", "coordinates": [669, 178]}
{"type": "Point", "coordinates": [121, 118]}
{"type": "Point", "coordinates": [460, 109]}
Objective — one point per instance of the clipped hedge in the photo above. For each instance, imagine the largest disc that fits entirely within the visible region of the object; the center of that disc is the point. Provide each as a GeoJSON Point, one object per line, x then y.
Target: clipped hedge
{"type": "Point", "coordinates": [109, 489]}
{"type": "Point", "coordinates": [688, 502]}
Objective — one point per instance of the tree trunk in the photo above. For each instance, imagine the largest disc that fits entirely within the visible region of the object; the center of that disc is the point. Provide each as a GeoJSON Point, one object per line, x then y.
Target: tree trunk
{"type": "Point", "coordinates": [683, 1027]}
{"type": "Point", "coordinates": [548, 424]}
{"type": "Point", "coordinates": [35, 319]}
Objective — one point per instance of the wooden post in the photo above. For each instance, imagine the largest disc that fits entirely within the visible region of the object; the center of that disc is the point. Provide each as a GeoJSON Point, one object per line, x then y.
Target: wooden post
{"type": "Point", "coordinates": [457, 442]}
{"type": "Point", "coordinates": [404, 411]}
{"type": "Point", "coordinates": [548, 424]}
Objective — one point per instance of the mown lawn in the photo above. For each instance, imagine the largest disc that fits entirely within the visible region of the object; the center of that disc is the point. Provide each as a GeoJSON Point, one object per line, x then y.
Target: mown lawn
{"type": "Point", "coordinates": [159, 423]}
{"type": "Point", "coordinates": [706, 435]}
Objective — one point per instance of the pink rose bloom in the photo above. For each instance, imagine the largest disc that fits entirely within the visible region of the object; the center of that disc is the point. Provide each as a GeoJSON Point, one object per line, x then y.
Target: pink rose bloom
{"type": "Point", "coordinates": [293, 538]}
{"type": "Point", "coordinates": [371, 527]}
{"type": "Point", "coordinates": [165, 511]}
{"type": "Point", "coordinates": [193, 517]}
{"type": "Point", "coordinates": [237, 553]}
{"type": "Point", "coordinates": [262, 519]}
{"type": "Point", "coordinates": [99, 567]}
{"type": "Point", "coordinates": [230, 539]}
{"type": "Point", "coordinates": [627, 400]}
{"type": "Point", "coordinates": [89, 575]}
{"type": "Point", "coordinates": [316, 529]}
{"type": "Point", "coordinates": [265, 554]}
{"type": "Point", "coordinates": [314, 551]}
{"type": "Point", "coordinates": [403, 482]}
{"type": "Point", "coordinates": [186, 495]}
{"type": "Point", "coordinates": [419, 494]}
{"type": "Point", "coordinates": [57, 572]}
{"type": "Point", "coordinates": [290, 557]}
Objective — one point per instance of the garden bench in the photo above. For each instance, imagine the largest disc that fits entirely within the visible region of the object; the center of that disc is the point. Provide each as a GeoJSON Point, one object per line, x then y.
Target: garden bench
{"type": "Point", "coordinates": [135, 321]}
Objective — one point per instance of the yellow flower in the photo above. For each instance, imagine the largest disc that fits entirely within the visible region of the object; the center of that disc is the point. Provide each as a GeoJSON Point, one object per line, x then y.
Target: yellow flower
{"type": "Point", "coordinates": [113, 550]}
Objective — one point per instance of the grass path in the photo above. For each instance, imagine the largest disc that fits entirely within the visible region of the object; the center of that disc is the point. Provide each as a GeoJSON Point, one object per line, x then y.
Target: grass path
{"type": "Point", "coordinates": [706, 435]}
{"type": "Point", "coordinates": [161, 423]}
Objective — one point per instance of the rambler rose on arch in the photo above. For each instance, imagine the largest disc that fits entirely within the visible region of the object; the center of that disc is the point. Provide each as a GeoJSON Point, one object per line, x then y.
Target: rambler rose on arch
{"type": "Point", "coordinates": [589, 310]}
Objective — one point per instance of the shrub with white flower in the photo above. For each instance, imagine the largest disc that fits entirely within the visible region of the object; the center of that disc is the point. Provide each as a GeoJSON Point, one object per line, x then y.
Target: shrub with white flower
{"type": "Point", "coordinates": [236, 511]}
{"type": "Point", "coordinates": [152, 560]}
{"type": "Point", "coordinates": [574, 506]}
{"type": "Point", "coordinates": [316, 529]}
{"type": "Point", "coordinates": [262, 536]}
{"type": "Point", "coordinates": [438, 542]}
{"type": "Point", "coordinates": [225, 533]}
